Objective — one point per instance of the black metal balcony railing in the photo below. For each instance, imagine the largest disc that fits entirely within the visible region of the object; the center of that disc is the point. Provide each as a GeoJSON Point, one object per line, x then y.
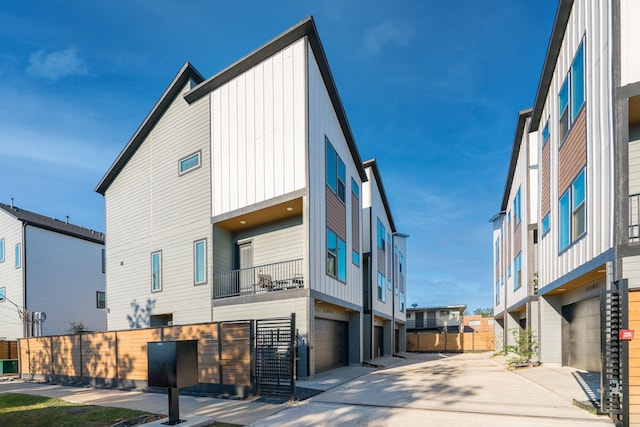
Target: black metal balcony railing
{"type": "Point", "coordinates": [256, 280]}
{"type": "Point", "coordinates": [634, 218]}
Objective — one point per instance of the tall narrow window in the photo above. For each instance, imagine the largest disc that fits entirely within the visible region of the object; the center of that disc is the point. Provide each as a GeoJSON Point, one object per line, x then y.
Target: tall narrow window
{"type": "Point", "coordinates": [104, 261]}
{"type": "Point", "coordinates": [341, 180]}
{"type": "Point", "coordinates": [402, 301]}
{"type": "Point", "coordinates": [381, 234]}
{"type": "Point", "coordinates": [563, 102]}
{"type": "Point", "coordinates": [577, 82]}
{"type": "Point", "coordinates": [516, 209]}
{"type": "Point", "coordinates": [1, 250]}
{"type": "Point", "coordinates": [546, 224]}
{"type": "Point", "coordinates": [545, 133]}
{"type": "Point", "coordinates": [101, 300]}
{"type": "Point", "coordinates": [517, 273]}
{"type": "Point", "coordinates": [199, 261]}
{"type": "Point", "coordinates": [342, 260]}
{"type": "Point", "coordinates": [382, 293]}
{"type": "Point", "coordinates": [497, 251]}
{"type": "Point", "coordinates": [563, 221]}
{"type": "Point", "coordinates": [18, 257]}
{"type": "Point", "coordinates": [498, 292]}
{"type": "Point", "coordinates": [577, 207]}
{"type": "Point", "coordinates": [331, 167]}
{"type": "Point", "coordinates": [156, 271]}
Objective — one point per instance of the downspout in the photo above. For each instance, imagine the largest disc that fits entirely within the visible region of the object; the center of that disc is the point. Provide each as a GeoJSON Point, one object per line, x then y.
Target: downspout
{"type": "Point", "coordinates": [23, 266]}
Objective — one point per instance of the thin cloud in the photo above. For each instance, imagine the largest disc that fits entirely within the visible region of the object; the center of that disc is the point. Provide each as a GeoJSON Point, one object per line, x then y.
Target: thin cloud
{"type": "Point", "coordinates": [386, 34]}
{"type": "Point", "coordinates": [57, 64]}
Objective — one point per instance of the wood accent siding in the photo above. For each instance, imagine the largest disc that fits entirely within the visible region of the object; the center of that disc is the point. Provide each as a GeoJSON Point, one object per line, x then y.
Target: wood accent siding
{"type": "Point", "coordinates": [517, 239]}
{"type": "Point", "coordinates": [634, 360]}
{"type": "Point", "coordinates": [355, 222]}
{"type": "Point", "coordinates": [132, 352]}
{"type": "Point", "coordinates": [336, 215]}
{"type": "Point", "coordinates": [382, 262]}
{"type": "Point", "coordinates": [572, 156]}
{"type": "Point", "coordinates": [545, 179]}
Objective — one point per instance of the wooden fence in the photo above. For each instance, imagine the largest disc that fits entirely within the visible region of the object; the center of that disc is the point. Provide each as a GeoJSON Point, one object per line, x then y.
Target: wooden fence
{"type": "Point", "coordinates": [119, 358]}
{"type": "Point", "coordinates": [458, 342]}
{"type": "Point", "coordinates": [8, 350]}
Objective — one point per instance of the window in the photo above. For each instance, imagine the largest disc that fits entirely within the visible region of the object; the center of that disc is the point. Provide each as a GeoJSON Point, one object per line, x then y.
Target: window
{"type": "Point", "coordinates": [336, 256]}
{"type": "Point", "coordinates": [355, 257]}
{"type": "Point", "coordinates": [402, 265]}
{"type": "Point", "coordinates": [156, 271]}
{"type": "Point", "coordinates": [104, 261]}
{"type": "Point", "coordinates": [571, 95]}
{"type": "Point", "coordinates": [355, 188]}
{"type": "Point", "coordinates": [516, 209]}
{"type": "Point", "coordinates": [1, 250]}
{"type": "Point", "coordinates": [101, 301]}
{"type": "Point", "coordinates": [381, 234]}
{"type": "Point", "coordinates": [382, 294]}
{"type": "Point", "coordinates": [199, 261]}
{"type": "Point", "coordinates": [2, 293]}
{"type": "Point", "coordinates": [517, 271]}
{"type": "Point", "coordinates": [389, 283]}
{"type": "Point", "coordinates": [497, 249]}
{"type": "Point", "coordinates": [545, 133]}
{"type": "Point", "coordinates": [18, 255]}
{"type": "Point", "coordinates": [546, 224]}
{"type": "Point", "coordinates": [572, 212]}
{"type": "Point", "coordinates": [509, 270]}
{"type": "Point", "coordinates": [401, 301]}
{"type": "Point", "coordinates": [189, 163]}
{"type": "Point", "coordinates": [498, 292]}
{"type": "Point", "coordinates": [336, 171]}
{"type": "Point", "coordinates": [474, 323]}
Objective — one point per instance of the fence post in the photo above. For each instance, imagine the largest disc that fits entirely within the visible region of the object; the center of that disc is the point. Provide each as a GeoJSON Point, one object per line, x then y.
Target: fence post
{"type": "Point", "coordinates": [220, 355]}
{"type": "Point", "coordinates": [117, 358]}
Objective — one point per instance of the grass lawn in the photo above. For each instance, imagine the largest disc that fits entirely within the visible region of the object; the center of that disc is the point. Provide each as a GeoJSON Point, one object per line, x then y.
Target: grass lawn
{"type": "Point", "coordinates": [28, 410]}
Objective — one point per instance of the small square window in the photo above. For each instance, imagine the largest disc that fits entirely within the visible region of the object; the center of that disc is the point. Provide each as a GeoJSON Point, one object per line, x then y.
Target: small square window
{"type": "Point", "coordinates": [189, 163]}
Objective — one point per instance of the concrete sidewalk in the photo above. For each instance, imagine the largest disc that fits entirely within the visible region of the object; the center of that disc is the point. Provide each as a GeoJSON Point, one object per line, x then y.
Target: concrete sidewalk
{"type": "Point", "coordinates": [476, 388]}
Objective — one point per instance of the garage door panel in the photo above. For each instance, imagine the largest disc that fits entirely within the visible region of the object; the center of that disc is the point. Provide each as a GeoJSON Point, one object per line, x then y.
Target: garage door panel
{"type": "Point", "coordinates": [331, 344]}
{"type": "Point", "coordinates": [582, 321]}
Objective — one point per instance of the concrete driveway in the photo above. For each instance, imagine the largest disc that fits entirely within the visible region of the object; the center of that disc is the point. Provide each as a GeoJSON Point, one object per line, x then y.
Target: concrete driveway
{"type": "Point", "coordinates": [438, 390]}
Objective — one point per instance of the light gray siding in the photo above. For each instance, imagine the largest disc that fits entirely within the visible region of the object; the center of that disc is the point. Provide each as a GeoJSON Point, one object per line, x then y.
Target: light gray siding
{"type": "Point", "coordinates": [277, 242]}
{"type": "Point", "coordinates": [150, 207]}
{"type": "Point", "coordinates": [11, 278]}
{"type": "Point", "coordinates": [63, 275]}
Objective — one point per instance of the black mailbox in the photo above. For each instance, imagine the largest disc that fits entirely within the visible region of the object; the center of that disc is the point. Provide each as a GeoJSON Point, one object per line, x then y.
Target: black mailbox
{"type": "Point", "coordinates": [172, 364]}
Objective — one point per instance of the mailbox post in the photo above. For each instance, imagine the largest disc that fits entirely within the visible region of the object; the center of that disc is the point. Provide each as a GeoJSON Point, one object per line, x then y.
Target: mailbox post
{"type": "Point", "coordinates": [172, 364]}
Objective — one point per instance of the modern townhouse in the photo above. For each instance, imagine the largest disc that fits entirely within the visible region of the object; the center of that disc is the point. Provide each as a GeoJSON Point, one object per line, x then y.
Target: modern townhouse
{"type": "Point", "coordinates": [384, 262]}
{"type": "Point", "coordinates": [443, 319]}
{"type": "Point", "coordinates": [51, 274]}
{"type": "Point", "coordinates": [239, 198]}
{"type": "Point", "coordinates": [515, 241]}
{"type": "Point", "coordinates": [586, 120]}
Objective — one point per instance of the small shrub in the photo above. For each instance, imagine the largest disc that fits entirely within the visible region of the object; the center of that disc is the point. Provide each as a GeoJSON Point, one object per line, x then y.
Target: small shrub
{"type": "Point", "coordinates": [525, 348]}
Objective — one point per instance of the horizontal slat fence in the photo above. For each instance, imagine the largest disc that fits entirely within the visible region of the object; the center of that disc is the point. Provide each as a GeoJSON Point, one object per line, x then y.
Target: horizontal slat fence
{"type": "Point", "coordinates": [119, 358]}
{"type": "Point", "coordinates": [8, 350]}
{"type": "Point", "coordinates": [459, 342]}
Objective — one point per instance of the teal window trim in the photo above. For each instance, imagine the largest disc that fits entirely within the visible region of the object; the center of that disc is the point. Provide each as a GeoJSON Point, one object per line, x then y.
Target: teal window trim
{"type": "Point", "coordinates": [572, 223]}
{"type": "Point", "coordinates": [517, 271]}
{"type": "Point", "coordinates": [517, 213]}
{"type": "Point", "coordinates": [18, 255]}
{"type": "Point", "coordinates": [156, 271]}
{"type": "Point", "coordinates": [1, 250]}
{"type": "Point", "coordinates": [189, 163]}
{"type": "Point", "coordinates": [200, 262]}
{"type": "Point", "coordinates": [336, 256]}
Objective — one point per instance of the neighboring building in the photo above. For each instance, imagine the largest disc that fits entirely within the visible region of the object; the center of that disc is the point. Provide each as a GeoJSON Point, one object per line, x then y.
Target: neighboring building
{"type": "Point", "coordinates": [478, 323]}
{"type": "Point", "coordinates": [515, 240]}
{"type": "Point", "coordinates": [243, 193]}
{"type": "Point", "coordinates": [586, 124]}
{"type": "Point", "coordinates": [435, 319]}
{"type": "Point", "coordinates": [385, 268]}
{"type": "Point", "coordinates": [51, 274]}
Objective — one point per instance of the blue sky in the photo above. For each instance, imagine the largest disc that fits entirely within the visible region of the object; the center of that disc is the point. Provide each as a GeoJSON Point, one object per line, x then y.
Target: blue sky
{"type": "Point", "coordinates": [431, 90]}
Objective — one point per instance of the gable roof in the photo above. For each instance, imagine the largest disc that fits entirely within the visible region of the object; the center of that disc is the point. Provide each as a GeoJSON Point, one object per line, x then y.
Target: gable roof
{"type": "Point", "coordinates": [515, 152]}
{"type": "Point", "coordinates": [376, 172]}
{"type": "Point", "coordinates": [550, 60]}
{"type": "Point", "coordinates": [186, 73]}
{"type": "Point", "coordinates": [52, 224]}
{"type": "Point", "coordinates": [306, 28]}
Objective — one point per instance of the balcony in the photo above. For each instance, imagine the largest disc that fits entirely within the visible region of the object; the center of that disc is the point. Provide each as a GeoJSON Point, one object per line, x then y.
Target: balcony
{"type": "Point", "coordinates": [634, 218]}
{"type": "Point", "coordinates": [259, 280]}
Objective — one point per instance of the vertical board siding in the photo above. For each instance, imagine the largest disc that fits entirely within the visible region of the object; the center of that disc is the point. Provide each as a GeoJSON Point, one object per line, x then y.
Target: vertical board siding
{"type": "Point", "coordinates": [589, 22]}
{"type": "Point", "coordinates": [150, 207]}
{"type": "Point", "coordinates": [323, 122]}
{"type": "Point", "coordinates": [11, 232]}
{"type": "Point", "coordinates": [258, 128]}
{"type": "Point", "coordinates": [630, 37]}
{"type": "Point", "coordinates": [573, 153]}
{"type": "Point", "coordinates": [336, 215]}
{"type": "Point", "coordinates": [634, 167]}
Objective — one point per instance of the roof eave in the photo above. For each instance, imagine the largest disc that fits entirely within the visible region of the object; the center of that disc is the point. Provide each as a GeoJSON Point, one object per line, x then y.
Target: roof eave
{"type": "Point", "coordinates": [515, 152]}
{"type": "Point", "coordinates": [550, 60]}
{"type": "Point", "coordinates": [182, 77]}
{"type": "Point", "coordinates": [305, 28]}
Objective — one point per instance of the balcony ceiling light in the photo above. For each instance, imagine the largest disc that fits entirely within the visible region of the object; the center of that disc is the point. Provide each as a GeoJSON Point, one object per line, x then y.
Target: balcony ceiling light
{"type": "Point", "coordinates": [242, 221]}
{"type": "Point", "coordinates": [289, 208]}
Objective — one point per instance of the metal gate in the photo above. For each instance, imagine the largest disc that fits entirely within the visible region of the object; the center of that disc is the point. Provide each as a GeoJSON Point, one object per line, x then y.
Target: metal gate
{"type": "Point", "coordinates": [275, 347]}
{"type": "Point", "coordinates": [613, 379]}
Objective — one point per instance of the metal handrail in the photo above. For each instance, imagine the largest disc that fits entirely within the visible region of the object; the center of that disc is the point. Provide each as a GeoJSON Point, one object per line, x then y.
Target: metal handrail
{"type": "Point", "coordinates": [261, 279]}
